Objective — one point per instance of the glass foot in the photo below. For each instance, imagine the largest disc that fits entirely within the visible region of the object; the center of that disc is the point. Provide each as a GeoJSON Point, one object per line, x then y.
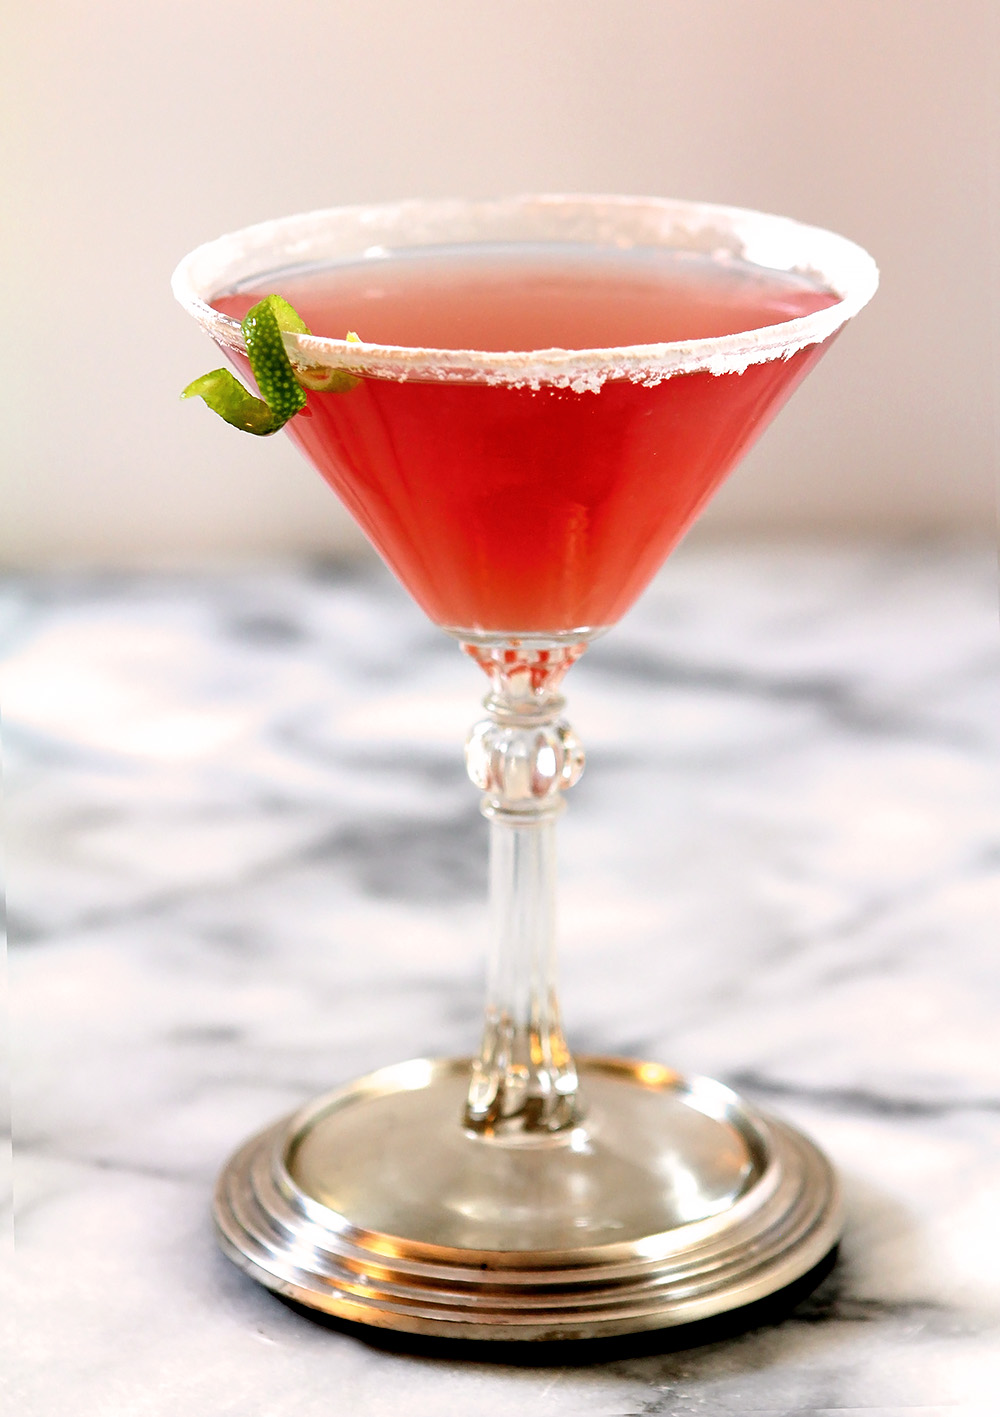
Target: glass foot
{"type": "Point", "coordinates": [671, 1201]}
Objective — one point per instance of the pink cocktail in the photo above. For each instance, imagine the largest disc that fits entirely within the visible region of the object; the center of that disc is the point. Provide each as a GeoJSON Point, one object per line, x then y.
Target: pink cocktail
{"type": "Point", "coordinates": [506, 507]}
{"type": "Point", "coordinates": [542, 394]}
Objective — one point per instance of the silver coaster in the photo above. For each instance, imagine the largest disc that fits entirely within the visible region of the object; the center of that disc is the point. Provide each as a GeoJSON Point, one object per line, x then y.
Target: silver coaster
{"type": "Point", "coordinates": [672, 1201]}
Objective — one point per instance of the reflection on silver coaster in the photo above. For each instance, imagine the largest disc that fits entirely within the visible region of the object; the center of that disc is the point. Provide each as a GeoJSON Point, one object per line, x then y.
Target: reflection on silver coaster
{"type": "Point", "coordinates": [670, 1201]}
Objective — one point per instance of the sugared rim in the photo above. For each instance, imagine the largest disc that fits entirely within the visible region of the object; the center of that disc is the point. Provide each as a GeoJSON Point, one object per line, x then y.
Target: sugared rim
{"type": "Point", "coordinates": [352, 233]}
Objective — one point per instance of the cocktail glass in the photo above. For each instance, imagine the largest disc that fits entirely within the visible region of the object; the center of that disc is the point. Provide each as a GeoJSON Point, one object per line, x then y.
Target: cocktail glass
{"type": "Point", "coordinates": [525, 498]}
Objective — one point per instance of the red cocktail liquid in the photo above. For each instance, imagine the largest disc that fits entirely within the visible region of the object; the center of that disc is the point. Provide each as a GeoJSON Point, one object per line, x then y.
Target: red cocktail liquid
{"type": "Point", "coordinates": [520, 509]}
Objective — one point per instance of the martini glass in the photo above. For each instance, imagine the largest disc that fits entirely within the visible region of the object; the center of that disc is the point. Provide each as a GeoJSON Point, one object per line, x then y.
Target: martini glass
{"type": "Point", "coordinates": [525, 496]}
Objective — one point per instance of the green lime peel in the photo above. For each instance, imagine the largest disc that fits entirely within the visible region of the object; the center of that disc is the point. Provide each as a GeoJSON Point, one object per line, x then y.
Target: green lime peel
{"type": "Point", "coordinates": [280, 386]}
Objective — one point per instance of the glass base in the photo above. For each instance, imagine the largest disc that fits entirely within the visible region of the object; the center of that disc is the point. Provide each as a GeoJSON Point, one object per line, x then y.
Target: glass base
{"type": "Point", "coordinates": [671, 1201]}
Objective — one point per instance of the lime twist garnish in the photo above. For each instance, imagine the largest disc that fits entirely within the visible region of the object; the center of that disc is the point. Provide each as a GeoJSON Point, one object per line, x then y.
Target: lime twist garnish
{"type": "Point", "coordinates": [278, 382]}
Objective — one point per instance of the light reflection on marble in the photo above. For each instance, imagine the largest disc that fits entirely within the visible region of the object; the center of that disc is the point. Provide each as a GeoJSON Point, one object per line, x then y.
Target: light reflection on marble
{"type": "Point", "coordinates": [245, 864]}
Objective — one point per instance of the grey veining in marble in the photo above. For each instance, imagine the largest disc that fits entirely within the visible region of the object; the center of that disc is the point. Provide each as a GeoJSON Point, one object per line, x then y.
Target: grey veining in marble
{"type": "Point", "coordinates": [245, 864]}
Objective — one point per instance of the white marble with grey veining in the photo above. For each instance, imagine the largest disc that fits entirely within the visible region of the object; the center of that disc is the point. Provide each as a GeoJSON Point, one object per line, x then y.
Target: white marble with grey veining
{"type": "Point", "coordinates": [245, 864]}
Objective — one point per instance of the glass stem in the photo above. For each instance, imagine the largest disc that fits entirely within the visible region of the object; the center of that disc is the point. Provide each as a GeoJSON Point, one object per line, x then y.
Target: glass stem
{"type": "Point", "coordinates": [522, 757]}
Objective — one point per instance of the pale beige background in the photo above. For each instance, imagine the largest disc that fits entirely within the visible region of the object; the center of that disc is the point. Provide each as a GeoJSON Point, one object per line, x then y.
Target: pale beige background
{"type": "Point", "coordinates": [141, 127]}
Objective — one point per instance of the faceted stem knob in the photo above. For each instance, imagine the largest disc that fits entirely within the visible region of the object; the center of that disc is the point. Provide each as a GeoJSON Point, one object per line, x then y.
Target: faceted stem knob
{"type": "Point", "coordinates": [523, 770]}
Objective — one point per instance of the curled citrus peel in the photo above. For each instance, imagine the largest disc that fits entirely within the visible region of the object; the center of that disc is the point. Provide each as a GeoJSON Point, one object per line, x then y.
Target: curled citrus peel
{"type": "Point", "coordinates": [280, 386]}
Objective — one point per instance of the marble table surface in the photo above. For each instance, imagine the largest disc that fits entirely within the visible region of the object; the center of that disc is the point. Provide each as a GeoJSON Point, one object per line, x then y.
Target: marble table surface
{"type": "Point", "coordinates": [244, 864]}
